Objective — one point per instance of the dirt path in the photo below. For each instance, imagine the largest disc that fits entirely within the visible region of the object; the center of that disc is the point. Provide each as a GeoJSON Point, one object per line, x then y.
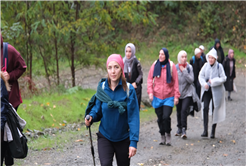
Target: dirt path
{"type": "Point", "coordinates": [228, 148]}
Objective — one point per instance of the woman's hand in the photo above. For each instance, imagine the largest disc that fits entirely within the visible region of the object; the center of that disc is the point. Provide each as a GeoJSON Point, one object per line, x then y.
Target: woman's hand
{"type": "Point", "coordinates": [134, 85]}
{"type": "Point", "coordinates": [206, 86]}
{"type": "Point", "coordinates": [132, 151]}
{"type": "Point", "coordinates": [88, 122]}
{"type": "Point", "coordinates": [151, 97]}
{"type": "Point", "coordinates": [181, 68]}
{"type": "Point", "coordinates": [176, 101]}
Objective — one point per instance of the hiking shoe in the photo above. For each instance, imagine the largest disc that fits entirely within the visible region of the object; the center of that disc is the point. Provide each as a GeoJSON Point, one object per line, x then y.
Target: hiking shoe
{"type": "Point", "coordinates": [163, 140]}
{"type": "Point", "coordinates": [229, 99]}
{"type": "Point", "coordinates": [168, 139]}
{"type": "Point", "coordinates": [183, 133]}
{"type": "Point", "coordinates": [179, 132]}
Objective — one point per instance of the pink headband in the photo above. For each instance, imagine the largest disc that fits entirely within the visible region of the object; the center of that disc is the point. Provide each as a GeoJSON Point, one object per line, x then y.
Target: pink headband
{"type": "Point", "coordinates": [117, 58]}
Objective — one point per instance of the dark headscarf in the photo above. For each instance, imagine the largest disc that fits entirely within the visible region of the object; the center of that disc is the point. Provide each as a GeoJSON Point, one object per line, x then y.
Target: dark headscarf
{"type": "Point", "coordinates": [221, 55]}
{"type": "Point", "coordinates": [158, 65]}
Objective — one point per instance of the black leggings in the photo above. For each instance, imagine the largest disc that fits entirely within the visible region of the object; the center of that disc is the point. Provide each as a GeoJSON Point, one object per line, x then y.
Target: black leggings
{"type": "Point", "coordinates": [182, 107]}
{"type": "Point", "coordinates": [107, 149]}
{"type": "Point", "coordinates": [164, 120]}
{"type": "Point", "coordinates": [207, 97]}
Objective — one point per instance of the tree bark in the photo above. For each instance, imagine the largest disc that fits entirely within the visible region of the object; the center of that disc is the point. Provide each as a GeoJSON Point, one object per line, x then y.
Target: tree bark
{"type": "Point", "coordinates": [45, 66]}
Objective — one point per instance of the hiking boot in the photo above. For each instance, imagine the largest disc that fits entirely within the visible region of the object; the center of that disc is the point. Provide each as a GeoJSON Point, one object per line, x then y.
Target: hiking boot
{"type": "Point", "coordinates": [179, 132]}
{"type": "Point", "coordinates": [229, 98]}
{"type": "Point", "coordinates": [168, 139]}
{"type": "Point", "coordinates": [183, 133]}
{"type": "Point", "coordinates": [213, 131]}
{"type": "Point", "coordinates": [205, 133]}
{"type": "Point", "coordinates": [163, 140]}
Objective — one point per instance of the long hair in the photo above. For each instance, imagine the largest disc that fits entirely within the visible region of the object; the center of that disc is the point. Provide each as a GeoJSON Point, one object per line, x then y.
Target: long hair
{"type": "Point", "coordinates": [123, 81]}
{"type": "Point", "coordinates": [5, 82]}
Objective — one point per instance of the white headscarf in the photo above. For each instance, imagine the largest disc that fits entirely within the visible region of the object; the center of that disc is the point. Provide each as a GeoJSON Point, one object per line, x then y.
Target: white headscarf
{"type": "Point", "coordinates": [128, 62]}
{"type": "Point", "coordinates": [180, 54]}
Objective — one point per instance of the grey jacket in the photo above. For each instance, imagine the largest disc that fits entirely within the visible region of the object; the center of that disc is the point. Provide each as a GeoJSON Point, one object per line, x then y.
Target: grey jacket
{"type": "Point", "coordinates": [186, 79]}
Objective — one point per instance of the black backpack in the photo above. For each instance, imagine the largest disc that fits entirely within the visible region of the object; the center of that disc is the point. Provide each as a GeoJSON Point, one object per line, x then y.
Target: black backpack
{"type": "Point", "coordinates": [18, 147]}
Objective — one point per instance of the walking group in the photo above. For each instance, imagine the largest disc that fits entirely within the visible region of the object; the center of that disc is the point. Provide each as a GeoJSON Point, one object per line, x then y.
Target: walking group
{"type": "Point", "coordinates": [198, 85]}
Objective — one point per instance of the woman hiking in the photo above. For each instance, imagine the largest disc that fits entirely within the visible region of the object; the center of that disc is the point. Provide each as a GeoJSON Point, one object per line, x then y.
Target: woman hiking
{"type": "Point", "coordinates": [163, 90]}
{"type": "Point", "coordinates": [186, 78]}
{"type": "Point", "coordinates": [230, 71]}
{"type": "Point", "coordinates": [119, 115]}
{"type": "Point", "coordinates": [212, 78]}
{"type": "Point", "coordinates": [133, 70]}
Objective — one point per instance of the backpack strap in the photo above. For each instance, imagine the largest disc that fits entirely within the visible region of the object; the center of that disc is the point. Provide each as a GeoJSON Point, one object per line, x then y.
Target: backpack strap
{"type": "Point", "coordinates": [193, 58]}
{"type": "Point", "coordinates": [5, 55]}
{"type": "Point", "coordinates": [202, 59]}
{"type": "Point", "coordinates": [127, 90]}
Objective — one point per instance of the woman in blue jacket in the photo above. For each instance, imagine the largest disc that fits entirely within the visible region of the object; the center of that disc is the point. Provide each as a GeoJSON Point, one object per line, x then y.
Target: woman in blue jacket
{"type": "Point", "coordinates": [119, 128]}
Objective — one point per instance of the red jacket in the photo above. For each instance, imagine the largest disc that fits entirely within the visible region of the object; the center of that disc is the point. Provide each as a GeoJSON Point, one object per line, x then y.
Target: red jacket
{"type": "Point", "coordinates": [162, 89]}
{"type": "Point", "coordinates": [16, 67]}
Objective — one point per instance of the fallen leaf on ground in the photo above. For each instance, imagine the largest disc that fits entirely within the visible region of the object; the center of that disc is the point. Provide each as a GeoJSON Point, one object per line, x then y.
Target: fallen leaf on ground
{"type": "Point", "coordinates": [63, 124]}
{"type": "Point", "coordinates": [54, 120]}
{"type": "Point", "coordinates": [140, 163]}
{"type": "Point", "coordinates": [151, 147]}
{"type": "Point", "coordinates": [46, 163]}
{"type": "Point", "coordinates": [53, 124]}
{"type": "Point", "coordinates": [221, 142]}
{"type": "Point", "coordinates": [225, 155]}
{"type": "Point", "coordinates": [48, 104]}
{"type": "Point", "coordinates": [191, 144]}
{"type": "Point", "coordinates": [187, 144]}
{"type": "Point", "coordinates": [213, 145]}
{"type": "Point", "coordinates": [41, 105]}
{"type": "Point", "coordinates": [51, 115]}
{"type": "Point", "coordinates": [234, 141]}
{"type": "Point", "coordinates": [54, 106]}
{"type": "Point", "coordinates": [79, 140]}
{"type": "Point", "coordinates": [155, 140]}
{"type": "Point", "coordinates": [145, 110]}
{"type": "Point", "coordinates": [78, 129]}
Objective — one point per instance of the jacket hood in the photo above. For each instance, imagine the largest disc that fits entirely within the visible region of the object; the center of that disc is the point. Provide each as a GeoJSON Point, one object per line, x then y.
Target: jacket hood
{"type": "Point", "coordinates": [216, 41]}
{"type": "Point", "coordinates": [1, 41]}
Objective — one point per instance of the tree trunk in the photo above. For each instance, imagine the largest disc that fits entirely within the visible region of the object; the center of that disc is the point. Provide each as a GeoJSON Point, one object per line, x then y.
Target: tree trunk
{"type": "Point", "coordinates": [56, 49]}
{"type": "Point", "coordinates": [45, 67]}
{"type": "Point", "coordinates": [72, 38]}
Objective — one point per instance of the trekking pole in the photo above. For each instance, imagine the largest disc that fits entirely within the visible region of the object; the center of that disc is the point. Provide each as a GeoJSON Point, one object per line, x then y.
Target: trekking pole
{"type": "Point", "coordinates": [92, 148]}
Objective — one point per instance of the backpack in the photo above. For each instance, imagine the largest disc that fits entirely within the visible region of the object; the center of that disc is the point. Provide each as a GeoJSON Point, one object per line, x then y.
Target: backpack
{"type": "Point", "coordinates": [5, 55]}
{"type": "Point", "coordinates": [18, 146]}
{"type": "Point", "coordinates": [194, 59]}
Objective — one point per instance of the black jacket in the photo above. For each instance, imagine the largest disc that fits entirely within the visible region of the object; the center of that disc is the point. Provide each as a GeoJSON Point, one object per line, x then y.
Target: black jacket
{"type": "Point", "coordinates": [197, 65]}
{"type": "Point", "coordinates": [229, 80]}
{"type": "Point", "coordinates": [220, 52]}
{"type": "Point", "coordinates": [136, 73]}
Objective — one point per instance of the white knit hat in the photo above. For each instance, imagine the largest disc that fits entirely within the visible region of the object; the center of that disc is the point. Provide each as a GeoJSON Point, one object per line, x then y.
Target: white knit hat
{"type": "Point", "coordinates": [213, 53]}
{"type": "Point", "coordinates": [197, 50]}
{"type": "Point", "coordinates": [202, 47]}
{"type": "Point", "coordinates": [180, 54]}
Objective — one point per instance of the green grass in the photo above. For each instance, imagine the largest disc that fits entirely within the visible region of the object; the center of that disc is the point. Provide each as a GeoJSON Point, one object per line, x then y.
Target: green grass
{"type": "Point", "coordinates": [51, 109]}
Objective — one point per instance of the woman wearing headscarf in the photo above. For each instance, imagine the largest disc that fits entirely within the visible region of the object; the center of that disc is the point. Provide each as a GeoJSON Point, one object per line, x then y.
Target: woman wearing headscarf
{"type": "Point", "coordinates": [229, 67]}
{"type": "Point", "coordinates": [186, 78]}
{"type": "Point", "coordinates": [163, 90]}
{"type": "Point", "coordinates": [212, 78]}
{"type": "Point", "coordinates": [220, 52]}
{"type": "Point", "coordinates": [119, 115]}
{"type": "Point", "coordinates": [133, 70]}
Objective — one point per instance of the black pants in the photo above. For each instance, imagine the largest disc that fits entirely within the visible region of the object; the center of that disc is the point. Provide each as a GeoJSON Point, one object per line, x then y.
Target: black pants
{"type": "Point", "coordinates": [5, 154]}
{"type": "Point", "coordinates": [139, 94]}
{"type": "Point", "coordinates": [207, 97]}
{"type": "Point", "coordinates": [182, 107]}
{"type": "Point", "coordinates": [107, 149]}
{"type": "Point", "coordinates": [164, 120]}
